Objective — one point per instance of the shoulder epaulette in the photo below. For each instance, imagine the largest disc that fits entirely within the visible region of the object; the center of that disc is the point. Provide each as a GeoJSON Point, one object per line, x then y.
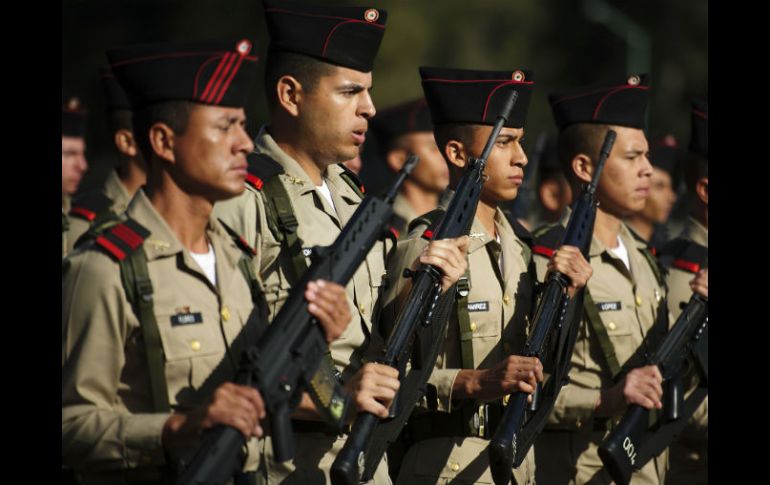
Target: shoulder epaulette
{"type": "Point", "coordinates": [352, 179]}
{"type": "Point", "coordinates": [684, 254]}
{"type": "Point", "coordinates": [260, 169]}
{"type": "Point", "coordinates": [547, 239]}
{"type": "Point", "coordinates": [122, 239]}
{"type": "Point", "coordinates": [239, 241]}
{"type": "Point", "coordinates": [430, 219]}
{"type": "Point", "coordinates": [91, 205]}
{"type": "Point", "coordinates": [520, 231]}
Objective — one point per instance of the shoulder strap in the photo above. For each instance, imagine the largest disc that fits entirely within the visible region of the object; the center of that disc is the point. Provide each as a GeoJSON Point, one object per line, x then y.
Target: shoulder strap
{"type": "Point", "coordinates": [92, 207]}
{"type": "Point", "coordinates": [598, 330]}
{"type": "Point", "coordinates": [246, 265]}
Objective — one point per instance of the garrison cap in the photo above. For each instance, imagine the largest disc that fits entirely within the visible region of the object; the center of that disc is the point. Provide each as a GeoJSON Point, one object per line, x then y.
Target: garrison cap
{"type": "Point", "coordinates": [73, 118]}
{"type": "Point", "coordinates": [475, 97]}
{"type": "Point", "coordinates": [699, 139]}
{"type": "Point", "coordinates": [409, 117]}
{"type": "Point", "coordinates": [663, 153]}
{"type": "Point", "coordinates": [219, 73]}
{"type": "Point", "coordinates": [344, 36]}
{"type": "Point", "coordinates": [114, 94]}
{"type": "Point", "coordinates": [622, 103]}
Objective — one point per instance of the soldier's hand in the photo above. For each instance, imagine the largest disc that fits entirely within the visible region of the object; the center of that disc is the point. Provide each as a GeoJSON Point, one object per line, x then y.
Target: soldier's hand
{"type": "Point", "coordinates": [642, 386]}
{"type": "Point", "coordinates": [329, 304]}
{"type": "Point", "coordinates": [374, 387]}
{"type": "Point", "coordinates": [449, 256]}
{"type": "Point", "coordinates": [231, 404]}
{"type": "Point", "coordinates": [569, 261]}
{"type": "Point", "coordinates": [700, 284]}
{"type": "Point", "coordinates": [514, 374]}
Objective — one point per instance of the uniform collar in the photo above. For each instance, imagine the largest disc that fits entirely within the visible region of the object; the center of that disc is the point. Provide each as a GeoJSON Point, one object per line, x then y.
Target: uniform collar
{"type": "Point", "coordinates": [597, 247]}
{"type": "Point", "coordinates": [116, 191]}
{"type": "Point", "coordinates": [696, 232]}
{"type": "Point", "coordinates": [403, 209]}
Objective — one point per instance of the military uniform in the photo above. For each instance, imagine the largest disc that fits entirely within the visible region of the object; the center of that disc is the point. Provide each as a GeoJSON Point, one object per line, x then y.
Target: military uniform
{"type": "Point", "coordinates": [82, 214]}
{"type": "Point", "coordinates": [403, 214]}
{"type": "Point", "coordinates": [110, 431]}
{"type": "Point", "coordinates": [499, 304]}
{"type": "Point", "coordinates": [319, 224]}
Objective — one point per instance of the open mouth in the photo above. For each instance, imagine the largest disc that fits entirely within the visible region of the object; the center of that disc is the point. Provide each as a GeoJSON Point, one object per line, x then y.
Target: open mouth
{"type": "Point", "coordinates": [359, 136]}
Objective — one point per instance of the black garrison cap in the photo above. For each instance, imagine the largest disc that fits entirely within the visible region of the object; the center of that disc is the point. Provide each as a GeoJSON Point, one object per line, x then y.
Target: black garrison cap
{"type": "Point", "coordinates": [409, 117]}
{"type": "Point", "coordinates": [73, 118]}
{"type": "Point", "coordinates": [622, 103]}
{"type": "Point", "coordinates": [114, 94]}
{"type": "Point", "coordinates": [345, 36]}
{"type": "Point", "coordinates": [475, 97]}
{"type": "Point", "coordinates": [663, 153]}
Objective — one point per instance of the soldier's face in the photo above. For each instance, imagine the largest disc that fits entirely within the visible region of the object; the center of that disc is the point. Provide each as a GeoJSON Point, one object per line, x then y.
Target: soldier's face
{"type": "Point", "coordinates": [505, 166]}
{"type": "Point", "coordinates": [662, 197]}
{"type": "Point", "coordinates": [334, 117]}
{"type": "Point", "coordinates": [210, 156]}
{"type": "Point", "coordinates": [432, 173]}
{"type": "Point", "coordinates": [73, 163]}
{"type": "Point", "coordinates": [624, 186]}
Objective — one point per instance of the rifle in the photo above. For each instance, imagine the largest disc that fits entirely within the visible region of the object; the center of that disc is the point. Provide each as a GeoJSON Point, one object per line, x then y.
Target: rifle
{"type": "Point", "coordinates": [506, 448]}
{"type": "Point", "coordinates": [633, 442]}
{"type": "Point", "coordinates": [422, 317]}
{"type": "Point", "coordinates": [283, 362]}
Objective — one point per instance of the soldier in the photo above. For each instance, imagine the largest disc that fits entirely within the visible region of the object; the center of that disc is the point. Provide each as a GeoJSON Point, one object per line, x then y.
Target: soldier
{"type": "Point", "coordinates": [403, 130]}
{"type": "Point", "coordinates": [318, 78]}
{"type": "Point", "coordinates": [154, 311]}
{"type": "Point", "coordinates": [624, 299]}
{"type": "Point", "coordinates": [649, 224]}
{"type": "Point", "coordinates": [73, 161]}
{"type": "Point", "coordinates": [94, 207]}
{"type": "Point", "coordinates": [476, 367]}
{"type": "Point", "coordinates": [684, 257]}
{"type": "Point", "coordinates": [554, 193]}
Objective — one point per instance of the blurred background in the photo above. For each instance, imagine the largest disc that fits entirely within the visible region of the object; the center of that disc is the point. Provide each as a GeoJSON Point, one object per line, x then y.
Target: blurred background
{"type": "Point", "coordinates": [567, 43]}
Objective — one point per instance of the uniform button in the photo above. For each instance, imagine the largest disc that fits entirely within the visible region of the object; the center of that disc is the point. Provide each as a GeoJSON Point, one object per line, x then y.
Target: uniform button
{"type": "Point", "coordinates": [506, 299]}
{"type": "Point", "coordinates": [362, 309]}
{"type": "Point", "coordinates": [611, 326]}
{"type": "Point", "coordinates": [579, 424]}
{"type": "Point", "coordinates": [473, 326]}
{"type": "Point", "coordinates": [638, 301]}
{"type": "Point", "coordinates": [506, 398]}
{"type": "Point", "coordinates": [225, 313]}
{"type": "Point", "coordinates": [455, 467]}
{"type": "Point", "coordinates": [195, 345]}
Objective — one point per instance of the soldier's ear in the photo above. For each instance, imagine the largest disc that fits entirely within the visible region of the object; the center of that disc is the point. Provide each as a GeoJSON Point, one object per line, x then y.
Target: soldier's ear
{"type": "Point", "coordinates": [550, 194]}
{"type": "Point", "coordinates": [454, 152]}
{"type": "Point", "coordinates": [702, 190]}
{"type": "Point", "coordinates": [162, 142]}
{"type": "Point", "coordinates": [396, 159]}
{"type": "Point", "coordinates": [289, 93]}
{"type": "Point", "coordinates": [582, 167]}
{"type": "Point", "coordinates": [125, 143]}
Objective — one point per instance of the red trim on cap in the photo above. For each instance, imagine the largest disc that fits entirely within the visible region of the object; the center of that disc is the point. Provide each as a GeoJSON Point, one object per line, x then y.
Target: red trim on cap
{"type": "Point", "coordinates": [210, 97]}
{"type": "Point", "coordinates": [303, 14]}
{"type": "Point", "coordinates": [90, 215]}
{"type": "Point", "coordinates": [703, 115]}
{"type": "Point", "coordinates": [254, 181]}
{"type": "Point", "coordinates": [489, 97]}
{"type": "Point", "coordinates": [166, 56]}
{"type": "Point", "coordinates": [200, 71]}
{"type": "Point", "coordinates": [441, 80]}
{"type": "Point", "coordinates": [428, 234]}
{"type": "Point", "coordinates": [596, 91]}
{"type": "Point", "coordinates": [610, 93]}
{"type": "Point", "coordinates": [394, 231]}
{"type": "Point", "coordinates": [351, 21]}
{"type": "Point", "coordinates": [111, 248]}
{"type": "Point", "coordinates": [543, 251]}
{"type": "Point", "coordinates": [226, 85]}
{"type": "Point", "coordinates": [687, 265]}
{"type": "Point", "coordinates": [127, 235]}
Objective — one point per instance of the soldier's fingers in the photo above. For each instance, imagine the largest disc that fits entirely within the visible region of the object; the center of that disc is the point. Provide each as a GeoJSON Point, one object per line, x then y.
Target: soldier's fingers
{"type": "Point", "coordinates": [253, 398]}
{"type": "Point", "coordinates": [523, 386]}
{"type": "Point", "coordinates": [370, 405]}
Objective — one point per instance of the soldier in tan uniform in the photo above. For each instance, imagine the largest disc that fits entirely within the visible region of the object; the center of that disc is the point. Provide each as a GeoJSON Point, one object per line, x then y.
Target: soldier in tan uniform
{"type": "Point", "coordinates": [73, 161]}
{"type": "Point", "coordinates": [625, 297]}
{"type": "Point", "coordinates": [475, 370]}
{"type": "Point", "coordinates": [684, 257]}
{"type": "Point", "coordinates": [318, 77]}
{"type": "Point", "coordinates": [145, 366]}
{"type": "Point", "coordinates": [650, 222]}
{"type": "Point", "coordinates": [403, 130]}
{"type": "Point", "coordinates": [92, 208]}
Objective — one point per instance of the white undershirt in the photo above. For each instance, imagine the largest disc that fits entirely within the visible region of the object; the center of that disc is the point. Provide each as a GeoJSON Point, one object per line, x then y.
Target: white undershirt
{"type": "Point", "coordinates": [208, 263]}
{"type": "Point", "coordinates": [622, 253]}
{"type": "Point", "coordinates": [324, 190]}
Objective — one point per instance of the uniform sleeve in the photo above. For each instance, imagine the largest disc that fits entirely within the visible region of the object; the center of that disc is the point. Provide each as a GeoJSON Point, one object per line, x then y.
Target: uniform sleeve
{"type": "Point", "coordinates": [96, 433]}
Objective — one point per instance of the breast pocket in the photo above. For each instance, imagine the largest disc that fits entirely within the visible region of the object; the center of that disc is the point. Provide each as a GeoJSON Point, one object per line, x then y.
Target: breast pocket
{"type": "Point", "coordinates": [191, 352]}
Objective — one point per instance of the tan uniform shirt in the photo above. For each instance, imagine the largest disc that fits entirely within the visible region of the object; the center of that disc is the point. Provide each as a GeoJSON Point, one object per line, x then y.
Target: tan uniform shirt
{"type": "Point", "coordinates": [109, 429]}
{"type": "Point", "coordinates": [115, 190]}
{"type": "Point", "coordinates": [568, 447]}
{"type": "Point", "coordinates": [689, 453]}
{"type": "Point", "coordinates": [501, 302]}
{"type": "Point", "coordinates": [319, 224]}
{"type": "Point", "coordinates": [403, 209]}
